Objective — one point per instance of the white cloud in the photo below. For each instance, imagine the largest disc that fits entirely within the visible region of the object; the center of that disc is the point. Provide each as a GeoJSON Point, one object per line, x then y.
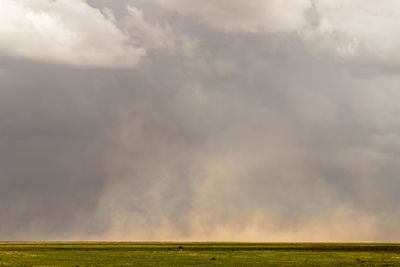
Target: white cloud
{"type": "Point", "coordinates": [365, 30]}
{"type": "Point", "coordinates": [66, 32]}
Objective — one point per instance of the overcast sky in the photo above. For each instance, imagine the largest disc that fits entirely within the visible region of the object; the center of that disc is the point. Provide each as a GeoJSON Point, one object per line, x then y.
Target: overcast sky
{"type": "Point", "coordinates": [259, 120]}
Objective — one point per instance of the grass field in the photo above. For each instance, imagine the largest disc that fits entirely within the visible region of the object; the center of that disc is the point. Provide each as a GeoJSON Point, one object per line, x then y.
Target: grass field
{"type": "Point", "coordinates": [198, 254]}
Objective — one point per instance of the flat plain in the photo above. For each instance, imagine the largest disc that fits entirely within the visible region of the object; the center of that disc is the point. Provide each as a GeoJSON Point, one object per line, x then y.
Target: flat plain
{"type": "Point", "coordinates": [198, 254]}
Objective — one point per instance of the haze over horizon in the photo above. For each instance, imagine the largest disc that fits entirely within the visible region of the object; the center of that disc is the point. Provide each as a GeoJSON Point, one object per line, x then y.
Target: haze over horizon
{"type": "Point", "coordinates": [204, 120]}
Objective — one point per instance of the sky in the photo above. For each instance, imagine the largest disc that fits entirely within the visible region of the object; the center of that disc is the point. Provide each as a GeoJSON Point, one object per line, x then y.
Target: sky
{"type": "Point", "coordinates": [200, 120]}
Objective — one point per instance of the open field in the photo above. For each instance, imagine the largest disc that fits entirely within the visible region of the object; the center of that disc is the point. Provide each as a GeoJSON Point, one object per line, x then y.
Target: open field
{"type": "Point", "coordinates": [198, 254]}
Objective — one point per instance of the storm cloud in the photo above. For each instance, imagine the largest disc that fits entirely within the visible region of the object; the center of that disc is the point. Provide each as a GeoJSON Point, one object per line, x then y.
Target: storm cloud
{"type": "Point", "coordinates": [199, 120]}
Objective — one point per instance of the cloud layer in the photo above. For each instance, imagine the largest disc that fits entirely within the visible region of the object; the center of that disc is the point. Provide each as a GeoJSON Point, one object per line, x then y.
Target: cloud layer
{"type": "Point", "coordinates": [218, 120]}
{"type": "Point", "coordinates": [352, 31]}
{"type": "Point", "coordinates": [254, 16]}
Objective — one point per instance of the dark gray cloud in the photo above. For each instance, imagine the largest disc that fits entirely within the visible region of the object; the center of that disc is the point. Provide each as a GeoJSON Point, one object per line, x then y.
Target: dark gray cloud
{"type": "Point", "coordinates": [214, 135]}
{"type": "Point", "coordinates": [51, 149]}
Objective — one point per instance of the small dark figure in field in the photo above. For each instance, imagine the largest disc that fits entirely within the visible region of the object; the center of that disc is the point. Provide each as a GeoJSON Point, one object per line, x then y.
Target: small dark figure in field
{"type": "Point", "coordinates": [180, 248]}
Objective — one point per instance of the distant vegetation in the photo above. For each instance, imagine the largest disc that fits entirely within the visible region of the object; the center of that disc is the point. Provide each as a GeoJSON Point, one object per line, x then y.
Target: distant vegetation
{"type": "Point", "coordinates": [198, 254]}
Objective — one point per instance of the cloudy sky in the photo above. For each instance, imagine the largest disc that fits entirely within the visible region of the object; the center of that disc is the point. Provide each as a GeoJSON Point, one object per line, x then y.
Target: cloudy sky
{"type": "Point", "coordinates": [259, 120]}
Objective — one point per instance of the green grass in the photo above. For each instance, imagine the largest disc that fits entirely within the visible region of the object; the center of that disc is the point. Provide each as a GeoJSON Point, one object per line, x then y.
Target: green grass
{"type": "Point", "coordinates": [199, 254]}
